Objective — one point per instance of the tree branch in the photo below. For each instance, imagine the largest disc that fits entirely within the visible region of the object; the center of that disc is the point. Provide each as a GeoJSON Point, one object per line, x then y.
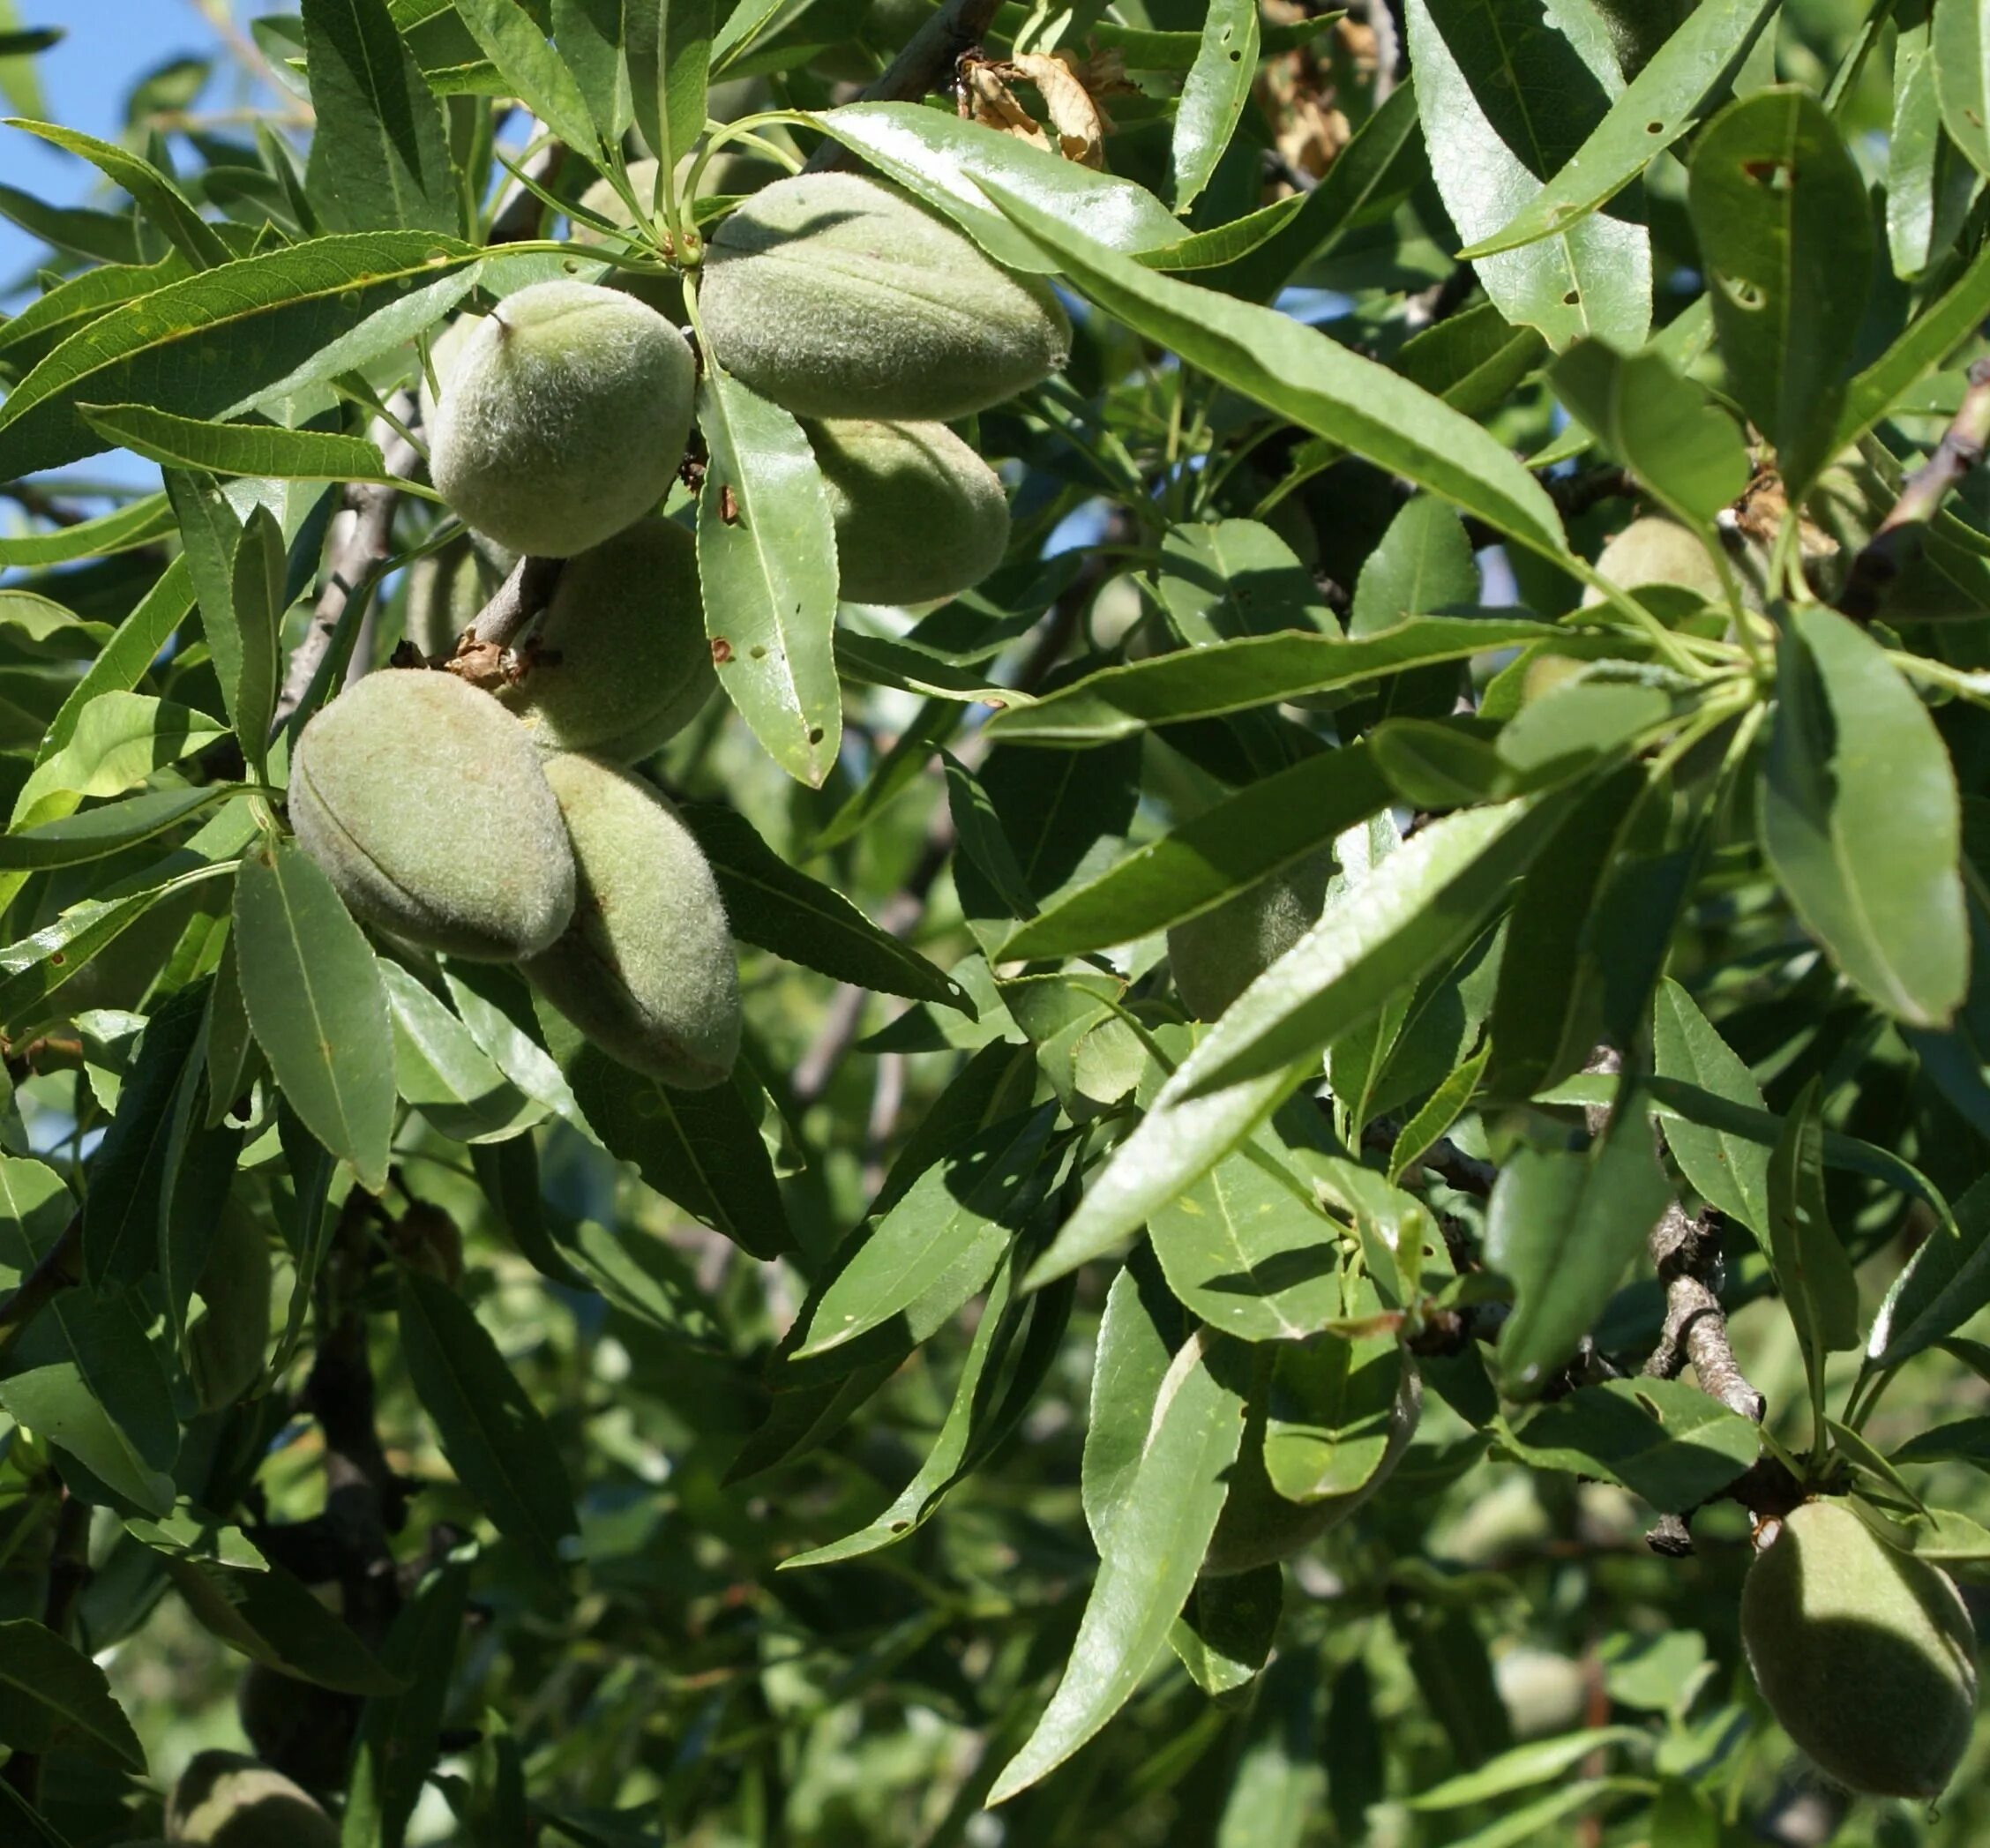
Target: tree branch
{"type": "Point", "coordinates": [363, 536]}
{"type": "Point", "coordinates": [1898, 539]}
{"type": "Point", "coordinates": [1685, 1252]}
{"type": "Point", "coordinates": [926, 62]}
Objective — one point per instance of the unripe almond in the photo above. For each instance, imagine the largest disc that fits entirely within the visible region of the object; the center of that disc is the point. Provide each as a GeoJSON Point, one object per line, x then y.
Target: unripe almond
{"type": "Point", "coordinates": [645, 970]}
{"type": "Point", "coordinates": [1651, 553]}
{"type": "Point", "coordinates": [838, 296]}
{"type": "Point", "coordinates": [224, 1799]}
{"type": "Point", "coordinates": [1866, 1656]}
{"type": "Point", "coordinates": [1216, 956]}
{"type": "Point", "coordinates": [564, 418]}
{"type": "Point", "coordinates": [918, 515]}
{"type": "Point", "coordinates": [619, 664]}
{"type": "Point", "coordinates": [423, 802]}
{"type": "Point", "coordinates": [447, 589]}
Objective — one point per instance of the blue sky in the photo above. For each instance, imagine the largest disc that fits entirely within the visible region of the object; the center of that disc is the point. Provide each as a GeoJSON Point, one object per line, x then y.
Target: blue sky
{"type": "Point", "coordinates": [111, 44]}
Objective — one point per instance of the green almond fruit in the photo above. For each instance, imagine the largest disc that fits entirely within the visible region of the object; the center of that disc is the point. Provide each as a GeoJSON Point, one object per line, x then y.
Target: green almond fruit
{"type": "Point", "coordinates": [564, 418]}
{"type": "Point", "coordinates": [645, 970]}
{"type": "Point", "coordinates": [1259, 1526]}
{"type": "Point", "coordinates": [618, 662]}
{"type": "Point", "coordinates": [838, 296]}
{"type": "Point", "coordinates": [226, 1344]}
{"type": "Point", "coordinates": [448, 590]}
{"type": "Point", "coordinates": [1867, 1656]}
{"type": "Point", "coordinates": [1652, 553]}
{"type": "Point", "coordinates": [224, 1799]}
{"type": "Point", "coordinates": [1216, 956]}
{"type": "Point", "coordinates": [918, 515]}
{"type": "Point", "coordinates": [423, 802]}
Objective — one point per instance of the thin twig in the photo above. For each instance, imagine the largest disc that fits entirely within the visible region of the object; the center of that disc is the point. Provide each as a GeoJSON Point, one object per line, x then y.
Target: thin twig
{"type": "Point", "coordinates": [1685, 1254]}
{"type": "Point", "coordinates": [926, 62]}
{"type": "Point", "coordinates": [362, 537]}
{"type": "Point", "coordinates": [1896, 543]}
{"type": "Point", "coordinates": [520, 597]}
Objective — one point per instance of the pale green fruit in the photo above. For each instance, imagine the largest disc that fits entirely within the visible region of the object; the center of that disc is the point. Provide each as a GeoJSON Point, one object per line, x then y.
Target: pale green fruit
{"type": "Point", "coordinates": [1866, 1656]}
{"type": "Point", "coordinates": [564, 418]}
{"type": "Point", "coordinates": [447, 589]}
{"type": "Point", "coordinates": [1650, 553]}
{"type": "Point", "coordinates": [1216, 956]}
{"type": "Point", "coordinates": [423, 801]}
{"type": "Point", "coordinates": [645, 970]}
{"type": "Point", "coordinates": [226, 1800]}
{"type": "Point", "coordinates": [619, 661]}
{"type": "Point", "coordinates": [918, 513]}
{"type": "Point", "coordinates": [226, 1343]}
{"type": "Point", "coordinates": [839, 296]}
{"type": "Point", "coordinates": [1258, 1527]}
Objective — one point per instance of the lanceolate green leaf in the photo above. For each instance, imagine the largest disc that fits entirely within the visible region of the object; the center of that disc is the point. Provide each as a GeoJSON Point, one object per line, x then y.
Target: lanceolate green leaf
{"type": "Point", "coordinates": [1149, 1556]}
{"type": "Point", "coordinates": [589, 34]}
{"type": "Point", "coordinates": [379, 158]}
{"type": "Point", "coordinates": [1302, 375]}
{"type": "Point", "coordinates": [1663, 102]}
{"type": "Point", "coordinates": [1960, 39]}
{"type": "Point", "coordinates": [1859, 818]}
{"type": "Point", "coordinates": [1494, 143]}
{"type": "Point", "coordinates": [1119, 702]}
{"type": "Point", "coordinates": [1686, 451]}
{"type": "Point", "coordinates": [965, 1205]}
{"type": "Point", "coordinates": [315, 1001]}
{"type": "Point", "coordinates": [1662, 1439]}
{"type": "Point", "coordinates": [246, 652]}
{"type": "Point", "coordinates": [1421, 904]}
{"type": "Point", "coordinates": [966, 1421]}
{"type": "Point", "coordinates": [51, 1695]}
{"type": "Point", "coordinates": [1214, 95]}
{"type": "Point", "coordinates": [196, 347]}
{"type": "Point", "coordinates": [1813, 1273]}
{"type": "Point", "coordinates": [81, 299]}
{"type": "Point", "coordinates": [1928, 339]}
{"type": "Point", "coordinates": [162, 202]}
{"type": "Point", "coordinates": [138, 523]}
{"type": "Point", "coordinates": [493, 1435]}
{"type": "Point", "coordinates": [1264, 827]}
{"type": "Point", "coordinates": [1781, 214]}
{"type": "Point", "coordinates": [1728, 1171]}
{"type": "Point", "coordinates": [123, 662]}
{"type": "Point", "coordinates": [953, 164]}
{"type": "Point", "coordinates": [669, 46]}
{"type": "Point", "coordinates": [108, 829]}
{"type": "Point", "coordinates": [1564, 1228]}
{"type": "Point", "coordinates": [701, 1149]}
{"type": "Point", "coordinates": [265, 450]}
{"type": "Point", "coordinates": [535, 72]}
{"type": "Point", "coordinates": [770, 903]}
{"type": "Point", "coordinates": [767, 557]}
{"type": "Point", "coordinates": [1944, 1285]}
